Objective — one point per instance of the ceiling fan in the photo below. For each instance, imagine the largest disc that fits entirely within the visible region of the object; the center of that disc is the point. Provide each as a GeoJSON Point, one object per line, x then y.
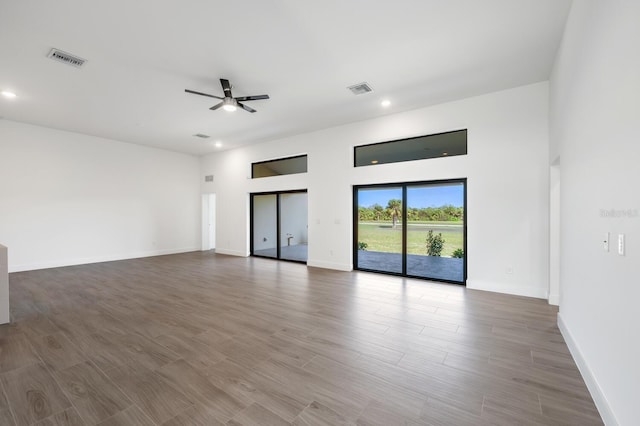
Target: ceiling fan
{"type": "Point", "coordinates": [229, 103]}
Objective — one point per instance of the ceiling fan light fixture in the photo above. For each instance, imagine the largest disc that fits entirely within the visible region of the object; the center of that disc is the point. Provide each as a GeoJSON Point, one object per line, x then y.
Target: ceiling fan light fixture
{"type": "Point", "coordinates": [229, 104]}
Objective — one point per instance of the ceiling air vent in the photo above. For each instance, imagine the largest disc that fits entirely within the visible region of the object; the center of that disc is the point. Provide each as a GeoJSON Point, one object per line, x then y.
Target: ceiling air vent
{"type": "Point", "coordinates": [66, 58]}
{"type": "Point", "coordinates": [360, 89]}
{"type": "Point", "coordinates": [201, 136]}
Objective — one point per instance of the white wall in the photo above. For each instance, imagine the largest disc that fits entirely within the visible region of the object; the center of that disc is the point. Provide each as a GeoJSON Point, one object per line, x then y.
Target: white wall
{"type": "Point", "coordinates": [595, 118]}
{"type": "Point", "coordinates": [507, 170]}
{"type": "Point", "coordinates": [67, 198]}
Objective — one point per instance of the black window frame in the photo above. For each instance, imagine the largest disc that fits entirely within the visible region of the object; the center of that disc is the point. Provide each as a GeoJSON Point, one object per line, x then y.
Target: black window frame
{"type": "Point", "coordinates": [280, 159]}
{"type": "Point", "coordinates": [397, 141]}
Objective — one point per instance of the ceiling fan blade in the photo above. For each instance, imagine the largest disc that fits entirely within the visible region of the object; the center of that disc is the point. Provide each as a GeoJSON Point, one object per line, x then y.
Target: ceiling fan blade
{"type": "Point", "coordinates": [252, 98]}
{"type": "Point", "coordinates": [226, 87]}
{"type": "Point", "coordinates": [202, 94]}
{"type": "Point", "coordinates": [215, 107]}
{"type": "Point", "coordinates": [246, 108]}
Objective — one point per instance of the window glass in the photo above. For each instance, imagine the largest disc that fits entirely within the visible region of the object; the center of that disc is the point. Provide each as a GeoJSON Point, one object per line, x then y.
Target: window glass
{"type": "Point", "coordinates": [431, 146]}
{"type": "Point", "coordinates": [282, 166]}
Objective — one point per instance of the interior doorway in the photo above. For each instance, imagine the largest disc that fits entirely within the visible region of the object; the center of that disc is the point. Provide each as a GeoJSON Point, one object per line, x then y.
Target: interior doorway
{"type": "Point", "coordinates": [279, 226]}
{"type": "Point", "coordinates": [208, 221]}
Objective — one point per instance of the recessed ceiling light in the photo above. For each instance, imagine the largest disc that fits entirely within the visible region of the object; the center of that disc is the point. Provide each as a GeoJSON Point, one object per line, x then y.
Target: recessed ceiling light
{"type": "Point", "coordinates": [374, 161]}
{"type": "Point", "coordinates": [385, 103]}
{"type": "Point", "coordinates": [218, 144]}
{"type": "Point", "coordinates": [8, 94]}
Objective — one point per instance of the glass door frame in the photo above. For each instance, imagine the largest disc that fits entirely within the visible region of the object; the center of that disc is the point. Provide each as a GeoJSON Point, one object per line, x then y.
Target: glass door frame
{"type": "Point", "coordinates": [278, 225]}
{"type": "Point", "coordinates": [404, 186]}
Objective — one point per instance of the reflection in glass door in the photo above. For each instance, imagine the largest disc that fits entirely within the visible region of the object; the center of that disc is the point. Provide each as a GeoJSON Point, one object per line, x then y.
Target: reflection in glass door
{"type": "Point", "coordinates": [380, 229]}
{"type": "Point", "coordinates": [293, 226]}
{"type": "Point", "coordinates": [412, 229]}
{"type": "Point", "coordinates": [279, 227]}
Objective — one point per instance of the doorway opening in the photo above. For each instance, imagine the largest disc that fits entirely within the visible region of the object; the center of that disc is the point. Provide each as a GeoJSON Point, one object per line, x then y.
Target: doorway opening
{"type": "Point", "coordinates": [279, 225]}
{"type": "Point", "coordinates": [413, 229]}
{"type": "Point", "coordinates": [208, 221]}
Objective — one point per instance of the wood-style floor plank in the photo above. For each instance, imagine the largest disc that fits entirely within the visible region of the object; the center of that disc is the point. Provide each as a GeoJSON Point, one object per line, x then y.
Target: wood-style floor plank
{"type": "Point", "coordinates": [196, 415]}
{"type": "Point", "coordinates": [57, 351]}
{"type": "Point", "coordinates": [206, 339]}
{"type": "Point", "coordinates": [198, 388]}
{"type": "Point", "coordinates": [257, 415]}
{"type": "Point", "coordinates": [68, 417]}
{"type": "Point", "coordinates": [16, 351]}
{"type": "Point", "coordinates": [132, 416]}
{"type": "Point", "coordinates": [33, 394]}
{"type": "Point", "coordinates": [157, 398]}
{"type": "Point", "coordinates": [95, 397]}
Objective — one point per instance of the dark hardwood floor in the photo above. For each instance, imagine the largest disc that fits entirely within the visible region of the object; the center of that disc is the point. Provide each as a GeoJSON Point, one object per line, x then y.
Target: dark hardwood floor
{"type": "Point", "coordinates": [205, 339]}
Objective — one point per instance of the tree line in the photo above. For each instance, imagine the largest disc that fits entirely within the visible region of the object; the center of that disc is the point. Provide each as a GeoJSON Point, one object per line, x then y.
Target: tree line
{"type": "Point", "coordinates": [393, 211]}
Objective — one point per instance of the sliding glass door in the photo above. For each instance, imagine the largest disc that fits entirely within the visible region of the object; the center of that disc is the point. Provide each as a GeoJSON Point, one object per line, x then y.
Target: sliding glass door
{"type": "Point", "coordinates": [413, 229]}
{"type": "Point", "coordinates": [279, 227]}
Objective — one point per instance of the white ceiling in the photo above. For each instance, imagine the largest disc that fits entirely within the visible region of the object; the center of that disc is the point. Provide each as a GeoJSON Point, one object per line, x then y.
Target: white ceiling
{"type": "Point", "coordinates": [142, 54]}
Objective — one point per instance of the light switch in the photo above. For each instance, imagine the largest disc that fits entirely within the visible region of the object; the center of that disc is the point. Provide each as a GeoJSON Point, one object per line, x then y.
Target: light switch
{"type": "Point", "coordinates": [606, 241]}
{"type": "Point", "coordinates": [621, 244]}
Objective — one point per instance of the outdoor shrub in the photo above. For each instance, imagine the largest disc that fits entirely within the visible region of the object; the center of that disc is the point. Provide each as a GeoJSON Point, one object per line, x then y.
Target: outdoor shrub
{"type": "Point", "coordinates": [362, 245]}
{"type": "Point", "coordinates": [434, 243]}
{"type": "Point", "coordinates": [459, 253]}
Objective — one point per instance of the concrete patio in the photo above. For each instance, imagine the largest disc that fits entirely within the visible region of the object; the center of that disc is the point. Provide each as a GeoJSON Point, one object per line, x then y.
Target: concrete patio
{"type": "Point", "coordinates": [441, 268]}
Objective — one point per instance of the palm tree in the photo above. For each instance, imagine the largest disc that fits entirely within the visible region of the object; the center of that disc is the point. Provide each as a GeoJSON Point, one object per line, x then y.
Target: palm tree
{"type": "Point", "coordinates": [377, 208]}
{"type": "Point", "coordinates": [394, 206]}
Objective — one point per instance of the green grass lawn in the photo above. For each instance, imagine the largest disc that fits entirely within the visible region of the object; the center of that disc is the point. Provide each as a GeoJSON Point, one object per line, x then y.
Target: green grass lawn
{"type": "Point", "coordinates": [380, 236]}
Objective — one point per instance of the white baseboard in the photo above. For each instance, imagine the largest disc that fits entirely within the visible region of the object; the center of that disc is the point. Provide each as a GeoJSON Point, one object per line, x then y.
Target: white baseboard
{"type": "Point", "coordinates": [554, 299]}
{"type": "Point", "coordinates": [603, 406]}
{"type": "Point", "coordinates": [330, 265]}
{"type": "Point", "coordinates": [528, 291]}
{"type": "Point", "coordinates": [96, 259]}
{"type": "Point", "coordinates": [231, 252]}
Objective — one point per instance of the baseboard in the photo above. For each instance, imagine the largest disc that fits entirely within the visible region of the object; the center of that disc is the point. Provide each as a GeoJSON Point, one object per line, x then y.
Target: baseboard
{"type": "Point", "coordinates": [603, 406]}
{"type": "Point", "coordinates": [554, 299]}
{"type": "Point", "coordinates": [528, 291]}
{"type": "Point", "coordinates": [231, 252]}
{"type": "Point", "coordinates": [96, 259]}
{"type": "Point", "coordinates": [330, 265]}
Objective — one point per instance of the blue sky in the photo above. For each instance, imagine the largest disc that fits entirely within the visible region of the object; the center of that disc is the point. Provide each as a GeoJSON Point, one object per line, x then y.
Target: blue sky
{"type": "Point", "coordinates": [418, 197]}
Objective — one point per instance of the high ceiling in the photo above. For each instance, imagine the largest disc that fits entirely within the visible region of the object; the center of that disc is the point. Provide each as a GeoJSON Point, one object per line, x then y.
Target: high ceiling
{"type": "Point", "coordinates": [142, 54]}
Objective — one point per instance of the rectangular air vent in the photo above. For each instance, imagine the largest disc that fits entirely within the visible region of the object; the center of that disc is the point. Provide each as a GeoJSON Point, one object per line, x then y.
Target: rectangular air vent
{"type": "Point", "coordinates": [201, 136]}
{"type": "Point", "coordinates": [208, 178]}
{"type": "Point", "coordinates": [66, 58]}
{"type": "Point", "coordinates": [361, 88]}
